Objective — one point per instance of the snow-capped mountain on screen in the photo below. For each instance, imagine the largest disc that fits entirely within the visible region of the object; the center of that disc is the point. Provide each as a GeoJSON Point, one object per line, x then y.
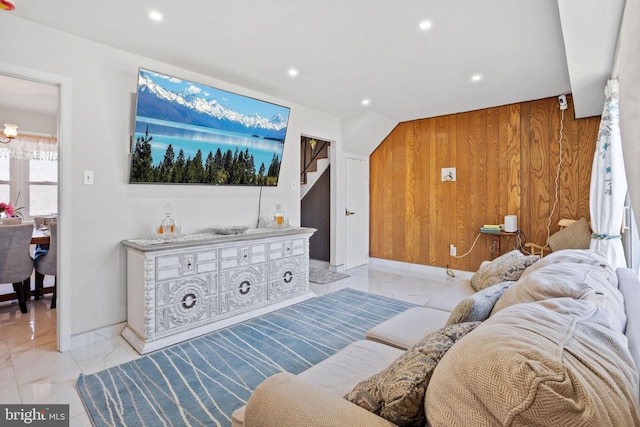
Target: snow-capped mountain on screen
{"type": "Point", "coordinates": [158, 102]}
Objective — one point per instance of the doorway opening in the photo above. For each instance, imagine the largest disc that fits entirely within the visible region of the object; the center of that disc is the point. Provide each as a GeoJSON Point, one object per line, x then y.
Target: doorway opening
{"type": "Point", "coordinates": [315, 195]}
{"type": "Point", "coordinates": [29, 180]}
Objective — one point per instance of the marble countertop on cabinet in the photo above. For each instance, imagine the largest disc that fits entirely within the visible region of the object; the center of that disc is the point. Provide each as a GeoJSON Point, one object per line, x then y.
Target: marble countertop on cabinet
{"type": "Point", "coordinates": [155, 243]}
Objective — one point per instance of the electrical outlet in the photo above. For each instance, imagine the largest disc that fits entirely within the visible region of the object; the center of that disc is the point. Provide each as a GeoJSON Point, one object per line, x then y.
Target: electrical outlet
{"type": "Point", "coordinates": [563, 102]}
{"type": "Point", "coordinates": [448, 174]}
{"type": "Point", "coordinates": [452, 250]}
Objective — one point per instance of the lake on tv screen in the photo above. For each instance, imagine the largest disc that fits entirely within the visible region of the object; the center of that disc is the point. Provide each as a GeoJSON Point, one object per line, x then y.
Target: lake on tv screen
{"type": "Point", "coordinates": [190, 139]}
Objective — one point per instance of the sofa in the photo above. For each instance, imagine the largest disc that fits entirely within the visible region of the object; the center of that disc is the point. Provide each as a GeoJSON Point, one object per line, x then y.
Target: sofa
{"type": "Point", "coordinates": [524, 342]}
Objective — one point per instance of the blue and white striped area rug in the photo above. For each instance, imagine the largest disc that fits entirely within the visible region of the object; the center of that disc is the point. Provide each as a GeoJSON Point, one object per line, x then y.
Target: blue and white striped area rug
{"type": "Point", "coordinates": [202, 381]}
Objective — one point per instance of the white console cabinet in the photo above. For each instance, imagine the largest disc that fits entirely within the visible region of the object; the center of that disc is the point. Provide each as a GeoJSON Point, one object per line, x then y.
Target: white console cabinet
{"type": "Point", "coordinates": [195, 284]}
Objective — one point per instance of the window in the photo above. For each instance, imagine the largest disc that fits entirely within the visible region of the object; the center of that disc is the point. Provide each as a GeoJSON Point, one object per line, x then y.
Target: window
{"type": "Point", "coordinates": [29, 177]}
{"type": "Point", "coordinates": [33, 185]}
{"type": "Point", "coordinates": [43, 187]}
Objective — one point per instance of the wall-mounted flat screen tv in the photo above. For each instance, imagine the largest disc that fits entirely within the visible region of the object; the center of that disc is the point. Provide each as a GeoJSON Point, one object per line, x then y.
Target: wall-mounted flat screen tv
{"type": "Point", "coordinates": [189, 133]}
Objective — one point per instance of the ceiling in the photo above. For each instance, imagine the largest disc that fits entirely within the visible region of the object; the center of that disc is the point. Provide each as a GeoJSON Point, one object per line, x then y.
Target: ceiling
{"type": "Point", "coordinates": [25, 95]}
{"type": "Point", "coordinates": [347, 50]}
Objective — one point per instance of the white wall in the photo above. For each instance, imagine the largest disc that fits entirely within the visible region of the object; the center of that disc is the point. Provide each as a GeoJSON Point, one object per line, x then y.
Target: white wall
{"type": "Point", "coordinates": [98, 217]}
{"type": "Point", "coordinates": [363, 134]}
{"type": "Point", "coordinates": [31, 122]}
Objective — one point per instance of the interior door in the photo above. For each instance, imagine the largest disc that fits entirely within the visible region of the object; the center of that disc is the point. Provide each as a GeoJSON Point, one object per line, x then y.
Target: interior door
{"type": "Point", "coordinates": [357, 213]}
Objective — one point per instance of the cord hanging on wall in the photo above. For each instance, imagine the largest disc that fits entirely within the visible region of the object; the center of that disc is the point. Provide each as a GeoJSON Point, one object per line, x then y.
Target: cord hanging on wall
{"type": "Point", "coordinates": [557, 181]}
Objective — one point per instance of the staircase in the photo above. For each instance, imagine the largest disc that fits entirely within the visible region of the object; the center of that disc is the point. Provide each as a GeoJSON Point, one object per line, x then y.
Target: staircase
{"type": "Point", "coordinates": [314, 160]}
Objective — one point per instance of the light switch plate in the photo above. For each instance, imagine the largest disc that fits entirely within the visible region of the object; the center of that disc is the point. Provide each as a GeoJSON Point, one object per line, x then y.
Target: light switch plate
{"type": "Point", "coordinates": [87, 178]}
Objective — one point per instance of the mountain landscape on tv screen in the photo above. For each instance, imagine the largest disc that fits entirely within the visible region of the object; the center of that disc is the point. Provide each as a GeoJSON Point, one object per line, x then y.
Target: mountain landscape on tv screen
{"type": "Point", "coordinates": [157, 102]}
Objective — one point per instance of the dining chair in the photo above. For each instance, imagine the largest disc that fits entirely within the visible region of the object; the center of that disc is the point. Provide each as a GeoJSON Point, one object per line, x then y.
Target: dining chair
{"type": "Point", "coordinates": [40, 249]}
{"type": "Point", "coordinates": [16, 264]}
{"type": "Point", "coordinates": [47, 264]}
{"type": "Point", "coordinates": [38, 222]}
{"type": "Point", "coordinates": [11, 221]}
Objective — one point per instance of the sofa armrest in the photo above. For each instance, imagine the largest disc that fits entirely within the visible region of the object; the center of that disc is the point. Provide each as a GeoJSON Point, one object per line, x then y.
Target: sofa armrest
{"type": "Point", "coordinates": [629, 286]}
{"type": "Point", "coordinates": [287, 400]}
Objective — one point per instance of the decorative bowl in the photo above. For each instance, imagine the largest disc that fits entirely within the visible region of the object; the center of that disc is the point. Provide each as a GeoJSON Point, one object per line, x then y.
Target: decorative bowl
{"type": "Point", "coordinates": [231, 229]}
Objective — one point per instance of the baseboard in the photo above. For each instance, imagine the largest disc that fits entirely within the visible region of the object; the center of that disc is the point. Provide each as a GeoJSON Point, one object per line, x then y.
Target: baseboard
{"type": "Point", "coordinates": [415, 269]}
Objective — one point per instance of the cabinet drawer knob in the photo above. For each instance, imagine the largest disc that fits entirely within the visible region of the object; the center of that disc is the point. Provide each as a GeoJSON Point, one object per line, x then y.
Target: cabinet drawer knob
{"type": "Point", "coordinates": [287, 277]}
{"type": "Point", "coordinates": [244, 287]}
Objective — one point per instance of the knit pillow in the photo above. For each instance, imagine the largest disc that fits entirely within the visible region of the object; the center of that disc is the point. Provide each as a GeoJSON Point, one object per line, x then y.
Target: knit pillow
{"type": "Point", "coordinates": [505, 268]}
{"type": "Point", "coordinates": [397, 393]}
{"type": "Point", "coordinates": [575, 236]}
{"type": "Point", "coordinates": [478, 306]}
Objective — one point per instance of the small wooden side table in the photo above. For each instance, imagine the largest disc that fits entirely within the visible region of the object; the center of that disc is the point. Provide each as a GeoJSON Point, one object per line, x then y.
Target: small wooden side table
{"type": "Point", "coordinates": [496, 252]}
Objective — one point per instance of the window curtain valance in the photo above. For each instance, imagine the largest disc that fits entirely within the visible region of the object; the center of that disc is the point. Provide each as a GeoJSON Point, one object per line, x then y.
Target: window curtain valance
{"type": "Point", "coordinates": [32, 147]}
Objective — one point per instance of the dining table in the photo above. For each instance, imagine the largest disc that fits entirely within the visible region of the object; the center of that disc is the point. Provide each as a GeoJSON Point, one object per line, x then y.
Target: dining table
{"type": "Point", "coordinates": [40, 237]}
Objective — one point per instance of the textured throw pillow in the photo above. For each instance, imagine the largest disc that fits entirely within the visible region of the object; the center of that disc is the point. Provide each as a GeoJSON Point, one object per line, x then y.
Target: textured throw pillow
{"type": "Point", "coordinates": [505, 268]}
{"type": "Point", "coordinates": [575, 236]}
{"type": "Point", "coordinates": [478, 306]}
{"type": "Point", "coordinates": [577, 280]}
{"type": "Point", "coordinates": [577, 256]}
{"type": "Point", "coordinates": [549, 363]}
{"type": "Point", "coordinates": [552, 281]}
{"type": "Point", "coordinates": [397, 393]}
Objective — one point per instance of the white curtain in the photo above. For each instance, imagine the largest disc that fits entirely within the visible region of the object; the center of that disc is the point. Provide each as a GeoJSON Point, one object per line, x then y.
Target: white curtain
{"type": "Point", "coordinates": [608, 182]}
{"type": "Point", "coordinates": [26, 146]}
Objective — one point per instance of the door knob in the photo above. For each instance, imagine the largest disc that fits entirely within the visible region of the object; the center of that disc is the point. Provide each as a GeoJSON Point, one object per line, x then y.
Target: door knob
{"type": "Point", "coordinates": [349, 213]}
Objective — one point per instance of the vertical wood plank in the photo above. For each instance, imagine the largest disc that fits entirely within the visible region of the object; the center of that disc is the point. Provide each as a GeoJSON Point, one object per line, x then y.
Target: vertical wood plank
{"type": "Point", "coordinates": [588, 136]}
{"type": "Point", "coordinates": [464, 235]}
{"type": "Point", "coordinates": [433, 195]}
{"type": "Point", "coordinates": [410, 179]}
{"type": "Point", "coordinates": [478, 186]}
{"type": "Point", "coordinates": [568, 188]}
{"type": "Point", "coordinates": [425, 191]}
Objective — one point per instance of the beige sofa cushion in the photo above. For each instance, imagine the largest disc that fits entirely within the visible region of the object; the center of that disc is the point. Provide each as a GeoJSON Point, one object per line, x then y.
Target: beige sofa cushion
{"type": "Point", "coordinates": [407, 328]}
{"type": "Point", "coordinates": [359, 360]}
{"type": "Point", "coordinates": [449, 297]}
{"type": "Point", "coordinates": [478, 306]}
{"type": "Point", "coordinates": [568, 279]}
{"type": "Point", "coordinates": [537, 364]}
{"type": "Point", "coordinates": [577, 256]}
{"type": "Point", "coordinates": [286, 400]}
{"type": "Point", "coordinates": [397, 393]}
{"type": "Point", "coordinates": [505, 268]}
{"type": "Point", "coordinates": [554, 281]}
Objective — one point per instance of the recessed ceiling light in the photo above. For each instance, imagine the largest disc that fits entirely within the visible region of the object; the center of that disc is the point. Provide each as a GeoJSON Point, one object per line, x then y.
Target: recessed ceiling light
{"type": "Point", "coordinates": [155, 16]}
{"type": "Point", "coordinates": [366, 102]}
{"type": "Point", "coordinates": [425, 25]}
{"type": "Point", "coordinates": [476, 78]}
{"type": "Point", "coordinates": [293, 72]}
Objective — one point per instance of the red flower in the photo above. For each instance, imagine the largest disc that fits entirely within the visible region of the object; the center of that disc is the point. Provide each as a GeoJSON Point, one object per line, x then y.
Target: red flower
{"type": "Point", "coordinates": [7, 209]}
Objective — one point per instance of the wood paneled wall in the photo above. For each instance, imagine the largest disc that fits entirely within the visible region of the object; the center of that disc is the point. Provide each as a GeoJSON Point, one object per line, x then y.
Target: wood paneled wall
{"type": "Point", "coordinates": [506, 160]}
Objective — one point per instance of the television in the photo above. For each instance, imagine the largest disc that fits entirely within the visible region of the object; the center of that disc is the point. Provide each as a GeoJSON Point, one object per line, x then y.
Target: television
{"type": "Point", "coordinates": [189, 133]}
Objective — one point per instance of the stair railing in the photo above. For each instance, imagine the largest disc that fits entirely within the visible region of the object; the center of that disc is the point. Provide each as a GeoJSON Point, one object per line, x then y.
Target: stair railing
{"type": "Point", "coordinates": [311, 150]}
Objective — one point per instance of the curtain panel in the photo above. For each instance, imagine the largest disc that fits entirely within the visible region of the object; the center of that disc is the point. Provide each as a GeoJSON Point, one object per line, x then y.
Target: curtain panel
{"type": "Point", "coordinates": [608, 182]}
{"type": "Point", "coordinates": [33, 147]}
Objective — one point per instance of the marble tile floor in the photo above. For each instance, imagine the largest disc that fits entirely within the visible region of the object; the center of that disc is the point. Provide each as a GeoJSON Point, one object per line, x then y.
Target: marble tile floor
{"type": "Point", "coordinates": [33, 371]}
